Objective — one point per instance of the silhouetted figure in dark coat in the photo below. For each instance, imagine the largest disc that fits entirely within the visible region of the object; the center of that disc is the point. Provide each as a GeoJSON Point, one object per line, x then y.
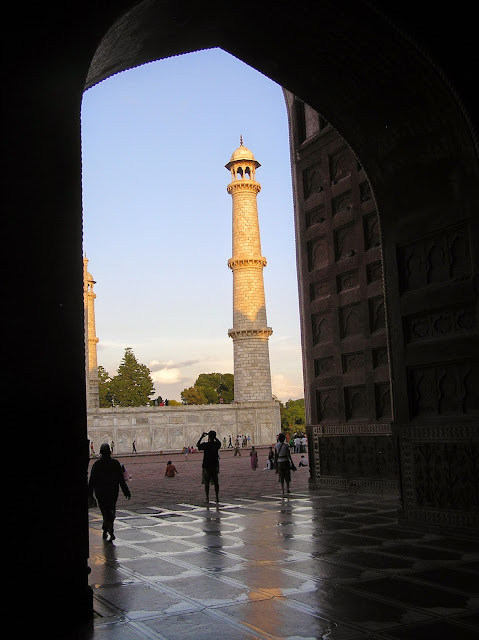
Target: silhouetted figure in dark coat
{"type": "Point", "coordinates": [106, 478]}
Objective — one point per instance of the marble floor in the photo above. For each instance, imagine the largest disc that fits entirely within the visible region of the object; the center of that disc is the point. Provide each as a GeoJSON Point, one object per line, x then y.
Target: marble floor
{"type": "Point", "coordinates": [310, 565]}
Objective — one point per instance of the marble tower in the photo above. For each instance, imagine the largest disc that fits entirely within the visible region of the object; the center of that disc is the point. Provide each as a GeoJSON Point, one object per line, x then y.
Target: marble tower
{"type": "Point", "coordinates": [91, 341]}
{"type": "Point", "coordinates": [250, 332]}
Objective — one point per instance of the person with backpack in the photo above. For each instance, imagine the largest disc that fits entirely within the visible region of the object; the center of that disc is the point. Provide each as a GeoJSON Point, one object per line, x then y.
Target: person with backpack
{"type": "Point", "coordinates": [283, 462]}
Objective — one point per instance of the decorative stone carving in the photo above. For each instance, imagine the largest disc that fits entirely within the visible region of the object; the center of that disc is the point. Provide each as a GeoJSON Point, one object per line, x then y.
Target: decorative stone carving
{"type": "Point", "coordinates": [348, 280]}
{"type": "Point", "coordinates": [440, 474]}
{"type": "Point", "coordinates": [312, 180]}
{"type": "Point", "coordinates": [353, 361]}
{"type": "Point", "coordinates": [319, 290]}
{"type": "Point", "coordinates": [321, 326]}
{"type": "Point", "coordinates": [382, 393]}
{"type": "Point", "coordinates": [440, 324]}
{"type": "Point", "coordinates": [444, 389]}
{"type": "Point", "coordinates": [340, 165]}
{"type": "Point", "coordinates": [318, 252]}
{"type": "Point", "coordinates": [345, 241]}
{"type": "Point", "coordinates": [342, 203]}
{"type": "Point", "coordinates": [327, 405]}
{"type": "Point", "coordinates": [377, 317]}
{"type": "Point", "coordinates": [315, 216]}
{"type": "Point", "coordinates": [374, 271]}
{"type": "Point", "coordinates": [358, 456]}
{"type": "Point", "coordinates": [437, 258]}
{"type": "Point", "coordinates": [371, 231]}
{"type": "Point", "coordinates": [356, 403]}
{"type": "Point", "coordinates": [323, 366]}
{"type": "Point", "coordinates": [380, 357]}
{"type": "Point", "coordinates": [350, 320]}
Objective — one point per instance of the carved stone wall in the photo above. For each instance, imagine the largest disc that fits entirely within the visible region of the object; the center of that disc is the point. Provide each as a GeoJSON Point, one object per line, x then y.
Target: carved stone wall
{"type": "Point", "coordinates": [172, 428]}
{"type": "Point", "coordinates": [390, 332]}
{"type": "Point", "coordinates": [342, 300]}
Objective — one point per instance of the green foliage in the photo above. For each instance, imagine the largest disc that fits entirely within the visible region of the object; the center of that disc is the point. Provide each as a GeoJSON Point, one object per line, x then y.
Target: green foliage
{"type": "Point", "coordinates": [293, 416]}
{"type": "Point", "coordinates": [193, 395]}
{"type": "Point", "coordinates": [104, 393]}
{"type": "Point", "coordinates": [209, 388]}
{"type": "Point", "coordinates": [132, 386]}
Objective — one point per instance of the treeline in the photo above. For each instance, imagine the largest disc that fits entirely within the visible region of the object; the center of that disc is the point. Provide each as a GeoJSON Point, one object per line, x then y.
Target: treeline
{"type": "Point", "coordinates": [132, 386]}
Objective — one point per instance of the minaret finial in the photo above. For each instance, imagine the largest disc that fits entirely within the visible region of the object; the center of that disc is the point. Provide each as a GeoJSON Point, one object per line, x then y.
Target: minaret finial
{"type": "Point", "coordinates": [241, 140]}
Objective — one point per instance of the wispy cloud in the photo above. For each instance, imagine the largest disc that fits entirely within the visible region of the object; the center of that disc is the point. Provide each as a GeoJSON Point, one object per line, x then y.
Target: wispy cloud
{"type": "Point", "coordinates": [286, 390]}
{"type": "Point", "coordinates": [156, 365]}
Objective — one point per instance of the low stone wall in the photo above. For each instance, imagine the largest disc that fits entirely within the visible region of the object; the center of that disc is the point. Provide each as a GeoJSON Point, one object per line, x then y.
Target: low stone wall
{"type": "Point", "coordinates": [172, 428]}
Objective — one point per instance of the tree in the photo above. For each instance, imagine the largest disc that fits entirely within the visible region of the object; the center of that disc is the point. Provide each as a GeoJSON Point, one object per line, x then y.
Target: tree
{"type": "Point", "coordinates": [193, 395]}
{"type": "Point", "coordinates": [133, 385]}
{"type": "Point", "coordinates": [104, 392]}
{"type": "Point", "coordinates": [210, 388]}
{"type": "Point", "coordinates": [293, 416]}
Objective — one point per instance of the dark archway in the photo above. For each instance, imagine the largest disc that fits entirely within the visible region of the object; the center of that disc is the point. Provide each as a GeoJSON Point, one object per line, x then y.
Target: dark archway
{"type": "Point", "coordinates": [409, 113]}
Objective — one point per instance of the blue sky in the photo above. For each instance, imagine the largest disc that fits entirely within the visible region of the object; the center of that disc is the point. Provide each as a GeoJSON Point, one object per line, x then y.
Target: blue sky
{"type": "Point", "coordinates": [157, 216]}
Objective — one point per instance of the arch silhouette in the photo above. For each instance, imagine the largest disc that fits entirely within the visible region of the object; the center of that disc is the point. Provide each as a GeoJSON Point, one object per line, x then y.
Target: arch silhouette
{"type": "Point", "coordinates": [396, 90]}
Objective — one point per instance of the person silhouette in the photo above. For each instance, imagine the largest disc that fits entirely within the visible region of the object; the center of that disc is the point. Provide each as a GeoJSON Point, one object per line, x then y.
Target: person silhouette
{"type": "Point", "coordinates": [106, 478]}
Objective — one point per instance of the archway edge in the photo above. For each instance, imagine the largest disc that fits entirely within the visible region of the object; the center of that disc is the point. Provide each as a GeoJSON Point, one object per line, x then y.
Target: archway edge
{"type": "Point", "coordinates": [341, 62]}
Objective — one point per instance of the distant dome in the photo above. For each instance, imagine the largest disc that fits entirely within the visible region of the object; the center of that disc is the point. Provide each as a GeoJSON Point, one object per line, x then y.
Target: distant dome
{"type": "Point", "coordinates": [243, 153]}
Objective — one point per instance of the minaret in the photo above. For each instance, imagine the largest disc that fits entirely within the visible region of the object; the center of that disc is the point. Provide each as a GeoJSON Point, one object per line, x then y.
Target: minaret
{"type": "Point", "coordinates": [250, 332]}
{"type": "Point", "coordinates": [91, 366]}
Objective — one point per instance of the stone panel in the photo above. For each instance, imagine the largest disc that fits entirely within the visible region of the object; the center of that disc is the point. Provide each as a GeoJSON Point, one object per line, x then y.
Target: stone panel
{"type": "Point", "coordinates": [364, 456]}
{"type": "Point", "coordinates": [327, 404]}
{"type": "Point", "coordinates": [315, 216]}
{"type": "Point", "coordinates": [356, 402]}
{"type": "Point", "coordinates": [447, 389]}
{"type": "Point", "coordinates": [347, 280]}
{"type": "Point", "coordinates": [434, 259]}
{"type": "Point", "coordinates": [350, 321]}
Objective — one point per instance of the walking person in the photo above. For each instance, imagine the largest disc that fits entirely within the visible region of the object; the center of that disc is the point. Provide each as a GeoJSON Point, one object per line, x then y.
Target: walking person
{"type": "Point", "coordinates": [254, 458]}
{"type": "Point", "coordinates": [106, 478]}
{"type": "Point", "coordinates": [211, 462]}
{"type": "Point", "coordinates": [283, 462]}
{"type": "Point", "coordinates": [237, 448]}
{"type": "Point", "coordinates": [133, 450]}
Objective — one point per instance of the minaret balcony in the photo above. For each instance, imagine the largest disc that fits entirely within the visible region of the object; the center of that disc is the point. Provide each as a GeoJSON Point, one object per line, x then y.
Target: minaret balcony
{"type": "Point", "coordinates": [244, 185]}
{"type": "Point", "coordinates": [263, 332]}
{"type": "Point", "coordinates": [236, 263]}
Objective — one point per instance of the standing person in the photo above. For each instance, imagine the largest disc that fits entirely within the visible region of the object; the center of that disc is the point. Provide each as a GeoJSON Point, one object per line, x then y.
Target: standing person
{"type": "Point", "coordinates": [92, 450]}
{"type": "Point", "coordinates": [171, 470]}
{"type": "Point", "coordinates": [254, 458]}
{"type": "Point", "coordinates": [237, 448]}
{"type": "Point", "coordinates": [282, 459]}
{"type": "Point", "coordinates": [304, 444]}
{"type": "Point", "coordinates": [112, 446]}
{"type": "Point", "coordinates": [297, 444]}
{"type": "Point", "coordinates": [211, 462]}
{"type": "Point", "coordinates": [106, 478]}
{"type": "Point", "coordinates": [134, 446]}
{"type": "Point", "coordinates": [270, 463]}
